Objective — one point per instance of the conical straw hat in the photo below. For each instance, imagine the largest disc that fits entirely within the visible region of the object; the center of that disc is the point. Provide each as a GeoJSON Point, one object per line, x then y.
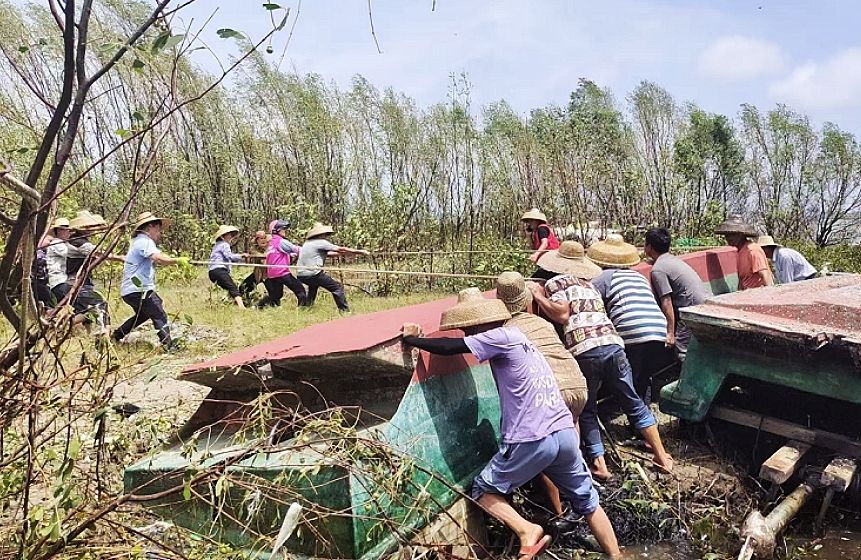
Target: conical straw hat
{"type": "Point", "coordinates": [569, 258]}
{"type": "Point", "coordinates": [145, 218]}
{"type": "Point", "coordinates": [225, 229]}
{"type": "Point", "coordinates": [62, 223]}
{"type": "Point", "coordinates": [318, 229]}
{"type": "Point", "coordinates": [473, 309]}
{"type": "Point", "coordinates": [512, 291]}
{"type": "Point", "coordinates": [86, 221]}
{"type": "Point", "coordinates": [734, 224]}
{"type": "Point", "coordinates": [534, 214]}
{"type": "Point", "coordinates": [767, 241]}
{"type": "Point", "coordinates": [613, 252]}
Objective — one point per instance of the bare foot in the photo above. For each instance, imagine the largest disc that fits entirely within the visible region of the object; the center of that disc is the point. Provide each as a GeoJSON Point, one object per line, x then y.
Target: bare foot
{"type": "Point", "coordinates": [599, 469]}
{"type": "Point", "coordinates": [664, 463]}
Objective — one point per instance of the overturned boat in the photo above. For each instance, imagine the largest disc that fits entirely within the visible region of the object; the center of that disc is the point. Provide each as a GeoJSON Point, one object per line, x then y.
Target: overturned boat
{"type": "Point", "coordinates": [376, 442]}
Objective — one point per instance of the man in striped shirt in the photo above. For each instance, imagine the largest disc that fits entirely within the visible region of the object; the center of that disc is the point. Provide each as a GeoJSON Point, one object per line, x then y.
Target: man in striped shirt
{"type": "Point", "coordinates": [633, 310]}
{"type": "Point", "coordinates": [570, 300]}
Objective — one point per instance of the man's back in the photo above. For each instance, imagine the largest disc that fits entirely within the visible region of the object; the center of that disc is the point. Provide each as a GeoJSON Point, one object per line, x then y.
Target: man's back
{"type": "Point", "coordinates": [529, 398]}
{"type": "Point", "coordinates": [542, 334]}
{"type": "Point", "coordinates": [791, 266]}
{"type": "Point", "coordinates": [674, 277]}
{"type": "Point", "coordinates": [752, 265]}
{"type": "Point", "coordinates": [588, 326]}
{"type": "Point", "coordinates": [631, 306]}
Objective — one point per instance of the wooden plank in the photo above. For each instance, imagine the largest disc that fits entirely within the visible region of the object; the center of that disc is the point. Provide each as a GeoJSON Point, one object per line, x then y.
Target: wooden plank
{"type": "Point", "coordinates": [783, 463]}
{"type": "Point", "coordinates": [814, 437]}
{"type": "Point", "coordinates": [838, 474]}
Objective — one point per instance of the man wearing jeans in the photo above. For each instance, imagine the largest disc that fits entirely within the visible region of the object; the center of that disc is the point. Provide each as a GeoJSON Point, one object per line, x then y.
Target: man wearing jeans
{"type": "Point", "coordinates": [589, 335]}
{"type": "Point", "coordinates": [138, 285]}
{"type": "Point", "coordinates": [312, 257]}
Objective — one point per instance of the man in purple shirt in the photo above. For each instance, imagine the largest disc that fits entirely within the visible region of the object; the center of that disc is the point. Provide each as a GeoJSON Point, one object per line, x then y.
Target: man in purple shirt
{"type": "Point", "coordinates": [538, 433]}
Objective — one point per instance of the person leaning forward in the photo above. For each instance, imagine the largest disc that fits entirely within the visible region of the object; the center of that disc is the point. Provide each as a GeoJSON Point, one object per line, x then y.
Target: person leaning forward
{"type": "Point", "coordinates": [512, 290]}
{"type": "Point", "coordinates": [138, 289]}
{"type": "Point", "coordinates": [570, 300]}
{"type": "Point", "coordinates": [789, 264]}
{"type": "Point", "coordinates": [676, 285]}
{"type": "Point", "coordinates": [220, 259]}
{"type": "Point", "coordinates": [278, 256]}
{"type": "Point", "coordinates": [538, 433]}
{"type": "Point", "coordinates": [312, 257]}
{"type": "Point", "coordinates": [632, 308]}
{"type": "Point", "coordinates": [541, 236]}
{"type": "Point", "coordinates": [751, 262]}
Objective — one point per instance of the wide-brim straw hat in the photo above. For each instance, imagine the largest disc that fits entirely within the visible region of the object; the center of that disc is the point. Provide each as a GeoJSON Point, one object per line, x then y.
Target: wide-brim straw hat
{"type": "Point", "coordinates": [60, 223]}
{"type": "Point", "coordinates": [767, 241]}
{"type": "Point", "coordinates": [224, 230]}
{"type": "Point", "coordinates": [318, 229]}
{"type": "Point", "coordinates": [86, 221]}
{"type": "Point", "coordinates": [569, 258]}
{"type": "Point", "coordinates": [473, 309]}
{"type": "Point", "coordinates": [613, 252]}
{"type": "Point", "coordinates": [512, 291]}
{"type": "Point", "coordinates": [534, 214]}
{"type": "Point", "coordinates": [145, 218]}
{"type": "Point", "coordinates": [735, 224]}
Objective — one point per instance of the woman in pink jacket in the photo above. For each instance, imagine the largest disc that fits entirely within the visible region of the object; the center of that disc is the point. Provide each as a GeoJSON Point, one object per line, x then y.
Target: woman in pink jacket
{"type": "Point", "coordinates": [278, 257]}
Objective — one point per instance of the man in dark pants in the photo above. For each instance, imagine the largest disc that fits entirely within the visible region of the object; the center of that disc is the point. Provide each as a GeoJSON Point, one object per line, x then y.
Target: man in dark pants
{"type": "Point", "coordinates": [312, 257]}
{"type": "Point", "coordinates": [138, 286]}
{"type": "Point", "coordinates": [632, 308]}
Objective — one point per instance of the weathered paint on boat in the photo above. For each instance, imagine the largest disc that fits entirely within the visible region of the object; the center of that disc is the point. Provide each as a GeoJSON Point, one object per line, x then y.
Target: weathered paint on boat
{"type": "Point", "coordinates": [445, 418]}
{"type": "Point", "coordinates": [803, 336]}
{"type": "Point", "coordinates": [443, 412]}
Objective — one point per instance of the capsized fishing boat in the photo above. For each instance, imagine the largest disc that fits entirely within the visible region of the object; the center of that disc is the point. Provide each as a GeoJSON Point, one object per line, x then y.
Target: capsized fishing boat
{"type": "Point", "coordinates": [784, 359]}
{"type": "Point", "coordinates": [439, 415]}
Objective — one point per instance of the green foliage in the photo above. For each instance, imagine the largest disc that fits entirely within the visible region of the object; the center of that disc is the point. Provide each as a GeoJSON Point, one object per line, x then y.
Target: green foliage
{"type": "Point", "coordinates": [837, 258]}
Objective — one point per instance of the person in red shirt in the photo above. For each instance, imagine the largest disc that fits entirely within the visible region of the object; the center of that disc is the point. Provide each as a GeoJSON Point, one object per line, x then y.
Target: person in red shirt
{"type": "Point", "coordinates": [540, 233]}
{"type": "Point", "coordinates": [752, 264]}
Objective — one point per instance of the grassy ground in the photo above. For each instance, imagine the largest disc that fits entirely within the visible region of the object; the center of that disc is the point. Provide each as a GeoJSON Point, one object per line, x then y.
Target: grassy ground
{"type": "Point", "coordinates": [207, 326]}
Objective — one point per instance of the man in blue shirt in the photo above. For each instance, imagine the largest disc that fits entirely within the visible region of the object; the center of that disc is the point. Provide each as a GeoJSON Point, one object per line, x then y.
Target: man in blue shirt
{"type": "Point", "coordinates": [138, 288]}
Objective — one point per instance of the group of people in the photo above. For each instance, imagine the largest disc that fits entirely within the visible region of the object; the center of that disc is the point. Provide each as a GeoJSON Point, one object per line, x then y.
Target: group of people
{"type": "Point", "coordinates": [582, 321]}
{"type": "Point", "coordinates": [277, 253]}
{"type": "Point", "coordinates": [66, 248]}
{"type": "Point", "coordinates": [754, 256]}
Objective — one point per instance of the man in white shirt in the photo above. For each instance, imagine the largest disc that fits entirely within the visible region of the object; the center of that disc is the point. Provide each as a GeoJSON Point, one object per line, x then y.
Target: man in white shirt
{"type": "Point", "coordinates": [789, 264]}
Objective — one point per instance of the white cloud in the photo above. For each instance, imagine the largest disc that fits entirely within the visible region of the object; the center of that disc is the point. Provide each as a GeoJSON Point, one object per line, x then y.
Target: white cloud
{"type": "Point", "coordinates": [833, 83]}
{"type": "Point", "coordinates": [741, 58]}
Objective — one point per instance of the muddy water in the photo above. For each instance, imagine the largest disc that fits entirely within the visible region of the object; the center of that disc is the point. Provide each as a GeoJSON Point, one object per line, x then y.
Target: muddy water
{"type": "Point", "coordinates": [834, 545]}
{"type": "Point", "coordinates": [660, 551]}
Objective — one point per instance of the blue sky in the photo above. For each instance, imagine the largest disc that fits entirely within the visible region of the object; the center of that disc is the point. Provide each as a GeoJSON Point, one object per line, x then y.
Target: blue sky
{"type": "Point", "coordinates": [717, 54]}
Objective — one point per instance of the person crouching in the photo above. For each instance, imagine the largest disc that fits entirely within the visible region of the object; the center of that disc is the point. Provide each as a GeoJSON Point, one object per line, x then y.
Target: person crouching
{"type": "Point", "coordinates": [538, 433]}
{"type": "Point", "coordinates": [220, 259]}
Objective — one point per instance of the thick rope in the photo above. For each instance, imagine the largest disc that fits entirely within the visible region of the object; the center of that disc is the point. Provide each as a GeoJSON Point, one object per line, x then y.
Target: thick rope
{"type": "Point", "coordinates": [354, 270]}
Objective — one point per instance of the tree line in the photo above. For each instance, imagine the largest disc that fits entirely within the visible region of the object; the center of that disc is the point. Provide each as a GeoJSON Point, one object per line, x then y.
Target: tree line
{"type": "Point", "coordinates": [392, 175]}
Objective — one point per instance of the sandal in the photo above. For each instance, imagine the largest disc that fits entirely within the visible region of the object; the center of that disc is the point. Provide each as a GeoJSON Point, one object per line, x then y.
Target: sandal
{"type": "Point", "coordinates": [530, 552]}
